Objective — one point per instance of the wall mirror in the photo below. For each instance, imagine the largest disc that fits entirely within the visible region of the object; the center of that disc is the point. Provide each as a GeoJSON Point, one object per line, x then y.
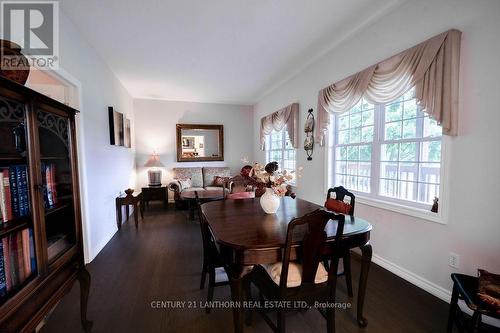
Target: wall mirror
{"type": "Point", "coordinates": [198, 143]}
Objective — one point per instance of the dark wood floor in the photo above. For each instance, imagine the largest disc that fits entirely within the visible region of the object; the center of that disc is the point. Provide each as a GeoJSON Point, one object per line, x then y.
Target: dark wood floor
{"type": "Point", "coordinates": [161, 261]}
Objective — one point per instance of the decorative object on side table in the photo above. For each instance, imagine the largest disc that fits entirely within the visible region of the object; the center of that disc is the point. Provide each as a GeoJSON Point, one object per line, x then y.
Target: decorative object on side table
{"type": "Point", "coordinates": [13, 64]}
{"type": "Point", "coordinates": [154, 175]}
{"type": "Point", "coordinates": [309, 130]}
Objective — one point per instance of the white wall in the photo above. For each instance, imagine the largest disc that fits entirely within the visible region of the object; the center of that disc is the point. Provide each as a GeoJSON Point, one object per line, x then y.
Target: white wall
{"type": "Point", "coordinates": [414, 248]}
{"type": "Point", "coordinates": [105, 170]}
{"type": "Point", "coordinates": [155, 122]}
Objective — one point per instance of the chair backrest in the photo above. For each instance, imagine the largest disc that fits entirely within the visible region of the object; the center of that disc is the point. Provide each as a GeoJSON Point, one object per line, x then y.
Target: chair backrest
{"type": "Point", "coordinates": [340, 193]}
{"type": "Point", "coordinates": [237, 188]}
{"type": "Point", "coordinates": [313, 241]}
{"type": "Point", "coordinates": [241, 195]}
{"type": "Point", "coordinates": [205, 233]}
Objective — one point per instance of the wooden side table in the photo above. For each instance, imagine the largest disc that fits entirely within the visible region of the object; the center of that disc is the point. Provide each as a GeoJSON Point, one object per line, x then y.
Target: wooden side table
{"type": "Point", "coordinates": [152, 193]}
{"type": "Point", "coordinates": [127, 200]}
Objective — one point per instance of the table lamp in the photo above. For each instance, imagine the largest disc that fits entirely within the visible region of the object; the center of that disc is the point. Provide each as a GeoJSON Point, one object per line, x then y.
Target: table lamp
{"type": "Point", "coordinates": [154, 174]}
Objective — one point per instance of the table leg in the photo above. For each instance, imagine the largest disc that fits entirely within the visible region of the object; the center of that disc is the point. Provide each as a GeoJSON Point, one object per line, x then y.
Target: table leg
{"type": "Point", "coordinates": [119, 216]}
{"type": "Point", "coordinates": [237, 297]}
{"type": "Point", "coordinates": [141, 207]}
{"type": "Point", "coordinates": [236, 281]}
{"type": "Point", "coordinates": [191, 205]}
{"type": "Point", "coordinates": [136, 215]}
{"type": "Point", "coordinates": [366, 259]}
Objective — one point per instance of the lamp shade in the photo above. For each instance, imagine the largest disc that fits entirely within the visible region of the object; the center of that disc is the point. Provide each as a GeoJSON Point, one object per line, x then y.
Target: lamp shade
{"type": "Point", "coordinates": [154, 161]}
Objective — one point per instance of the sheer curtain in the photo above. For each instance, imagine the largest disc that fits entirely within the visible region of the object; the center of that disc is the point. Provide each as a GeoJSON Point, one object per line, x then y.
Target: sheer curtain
{"type": "Point", "coordinates": [431, 67]}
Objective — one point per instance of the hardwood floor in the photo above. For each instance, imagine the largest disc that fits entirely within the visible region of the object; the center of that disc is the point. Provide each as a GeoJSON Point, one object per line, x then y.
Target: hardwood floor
{"type": "Point", "coordinates": [156, 262]}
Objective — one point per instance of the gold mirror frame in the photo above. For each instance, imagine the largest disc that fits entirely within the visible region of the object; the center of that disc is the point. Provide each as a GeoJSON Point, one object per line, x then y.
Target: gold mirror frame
{"type": "Point", "coordinates": [180, 127]}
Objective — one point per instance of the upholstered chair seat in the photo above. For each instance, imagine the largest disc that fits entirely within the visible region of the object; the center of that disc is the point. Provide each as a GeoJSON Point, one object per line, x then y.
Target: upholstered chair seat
{"type": "Point", "coordinates": [294, 278]}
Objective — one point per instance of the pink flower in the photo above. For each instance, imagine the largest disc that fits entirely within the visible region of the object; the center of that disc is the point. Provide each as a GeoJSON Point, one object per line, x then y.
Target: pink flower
{"type": "Point", "coordinates": [279, 190]}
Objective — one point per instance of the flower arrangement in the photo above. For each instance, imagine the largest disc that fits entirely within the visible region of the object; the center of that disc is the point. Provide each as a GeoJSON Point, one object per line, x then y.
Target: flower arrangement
{"type": "Point", "coordinates": [269, 176]}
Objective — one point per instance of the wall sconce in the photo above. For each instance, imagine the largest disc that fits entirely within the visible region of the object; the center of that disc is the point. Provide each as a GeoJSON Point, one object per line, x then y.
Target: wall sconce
{"type": "Point", "coordinates": [309, 130]}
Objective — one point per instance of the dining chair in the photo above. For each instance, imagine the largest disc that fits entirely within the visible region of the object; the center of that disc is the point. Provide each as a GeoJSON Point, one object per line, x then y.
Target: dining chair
{"type": "Point", "coordinates": [466, 287]}
{"type": "Point", "coordinates": [211, 259]}
{"type": "Point", "coordinates": [300, 276]}
{"type": "Point", "coordinates": [239, 187]}
{"type": "Point", "coordinates": [338, 205]}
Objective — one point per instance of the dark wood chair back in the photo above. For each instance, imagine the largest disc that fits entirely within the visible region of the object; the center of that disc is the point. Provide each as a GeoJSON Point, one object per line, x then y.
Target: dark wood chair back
{"type": "Point", "coordinates": [312, 227]}
{"type": "Point", "coordinates": [340, 193]}
{"type": "Point", "coordinates": [205, 233]}
{"type": "Point", "coordinates": [237, 184]}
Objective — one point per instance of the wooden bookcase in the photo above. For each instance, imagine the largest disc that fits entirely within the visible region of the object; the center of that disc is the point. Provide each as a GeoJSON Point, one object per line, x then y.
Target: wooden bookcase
{"type": "Point", "coordinates": [39, 160]}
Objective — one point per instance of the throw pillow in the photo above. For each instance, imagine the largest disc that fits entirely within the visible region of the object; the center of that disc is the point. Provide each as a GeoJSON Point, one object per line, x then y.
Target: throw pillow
{"type": "Point", "coordinates": [337, 206]}
{"type": "Point", "coordinates": [220, 181]}
{"type": "Point", "coordinates": [185, 183]}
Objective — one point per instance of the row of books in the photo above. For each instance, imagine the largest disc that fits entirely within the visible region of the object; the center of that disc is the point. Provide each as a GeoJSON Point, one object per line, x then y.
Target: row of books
{"type": "Point", "coordinates": [17, 259]}
{"type": "Point", "coordinates": [49, 185]}
{"type": "Point", "coordinates": [14, 193]}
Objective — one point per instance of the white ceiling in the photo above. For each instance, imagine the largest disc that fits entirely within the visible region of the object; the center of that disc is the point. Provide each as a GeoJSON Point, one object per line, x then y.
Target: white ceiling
{"type": "Point", "coordinates": [219, 51]}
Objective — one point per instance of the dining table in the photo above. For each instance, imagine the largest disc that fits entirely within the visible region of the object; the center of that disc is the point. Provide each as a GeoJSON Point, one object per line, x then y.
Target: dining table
{"type": "Point", "coordinates": [246, 236]}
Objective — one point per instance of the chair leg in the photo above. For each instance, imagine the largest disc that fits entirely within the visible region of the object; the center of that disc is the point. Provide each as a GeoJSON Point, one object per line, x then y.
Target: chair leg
{"type": "Point", "coordinates": [346, 260]}
{"type": "Point", "coordinates": [453, 306]}
{"type": "Point", "coordinates": [326, 264]}
{"type": "Point", "coordinates": [204, 272]}
{"type": "Point", "coordinates": [330, 320]}
{"type": "Point", "coordinates": [281, 321]}
{"type": "Point", "coordinates": [476, 322]}
{"type": "Point", "coordinates": [248, 296]}
{"type": "Point", "coordinates": [211, 285]}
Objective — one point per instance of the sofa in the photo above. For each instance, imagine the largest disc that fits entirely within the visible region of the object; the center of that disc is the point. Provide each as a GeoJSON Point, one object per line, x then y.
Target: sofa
{"type": "Point", "coordinates": [202, 178]}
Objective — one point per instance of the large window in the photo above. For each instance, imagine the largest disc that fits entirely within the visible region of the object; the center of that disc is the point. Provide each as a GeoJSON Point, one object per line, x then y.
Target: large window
{"type": "Point", "coordinates": [389, 151]}
{"type": "Point", "coordinates": [280, 149]}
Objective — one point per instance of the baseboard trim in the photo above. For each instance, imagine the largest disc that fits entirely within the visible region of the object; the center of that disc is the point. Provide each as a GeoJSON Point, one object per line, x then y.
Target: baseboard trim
{"type": "Point", "coordinates": [413, 278]}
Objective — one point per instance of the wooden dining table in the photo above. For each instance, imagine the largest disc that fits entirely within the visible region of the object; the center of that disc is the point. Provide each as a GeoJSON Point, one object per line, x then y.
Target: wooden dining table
{"type": "Point", "coordinates": [246, 236]}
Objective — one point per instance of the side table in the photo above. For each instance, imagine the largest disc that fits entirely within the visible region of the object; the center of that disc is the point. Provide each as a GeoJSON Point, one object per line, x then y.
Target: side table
{"type": "Point", "coordinates": [152, 193]}
{"type": "Point", "coordinates": [127, 200]}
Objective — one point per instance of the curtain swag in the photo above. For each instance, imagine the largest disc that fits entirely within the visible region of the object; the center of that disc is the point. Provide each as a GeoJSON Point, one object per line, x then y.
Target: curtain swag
{"type": "Point", "coordinates": [288, 116]}
{"type": "Point", "coordinates": [431, 67]}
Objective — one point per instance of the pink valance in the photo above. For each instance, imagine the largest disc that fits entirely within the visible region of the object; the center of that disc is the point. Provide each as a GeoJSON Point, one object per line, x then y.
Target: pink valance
{"type": "Point", "coordinates": [431, 67]}
{"type": "Point", "coordinates": [288, 116]}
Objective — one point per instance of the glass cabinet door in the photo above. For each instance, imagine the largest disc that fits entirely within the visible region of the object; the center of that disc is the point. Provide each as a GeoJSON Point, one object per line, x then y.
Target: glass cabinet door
{"type": "Point", "coordinates": [57, 182]}
{"type": "Point", "coordinates": [17, 251]}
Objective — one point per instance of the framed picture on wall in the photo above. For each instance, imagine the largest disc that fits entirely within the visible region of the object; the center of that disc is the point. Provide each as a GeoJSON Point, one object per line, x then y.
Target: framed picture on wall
{"type": "Point", "coordinates": [127, 138]}
{"type": "Point", "coordinates": [116, 132]}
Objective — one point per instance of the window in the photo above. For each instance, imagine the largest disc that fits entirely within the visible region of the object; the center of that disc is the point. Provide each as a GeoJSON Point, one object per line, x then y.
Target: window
{"type": "Point", "coordinates": [280, 149]}
{"type": "Point", "coordinates": [389, 151]}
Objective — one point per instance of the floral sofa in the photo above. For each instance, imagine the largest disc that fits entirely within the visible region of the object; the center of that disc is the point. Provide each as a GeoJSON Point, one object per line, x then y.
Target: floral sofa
{"type": "Point", "coordinates": [202, 178]}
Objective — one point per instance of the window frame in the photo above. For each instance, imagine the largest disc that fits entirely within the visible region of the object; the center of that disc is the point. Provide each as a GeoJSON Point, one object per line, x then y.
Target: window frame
{"type": "Point", "coordinates": [374, 199]}
{"type": "Point", "coordinates": [283, 149]}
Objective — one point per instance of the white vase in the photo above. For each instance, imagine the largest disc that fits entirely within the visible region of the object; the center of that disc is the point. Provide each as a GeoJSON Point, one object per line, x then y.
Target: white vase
{"type": "Point", "coordinates": [270, 202]}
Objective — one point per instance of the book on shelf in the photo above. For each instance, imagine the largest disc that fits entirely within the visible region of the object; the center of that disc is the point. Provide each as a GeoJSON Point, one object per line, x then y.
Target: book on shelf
{"type": "Point", "coordinates": [14, 193]}
{"type": "Point", "coordinates": [5, 196]}
{"type": "Point", "coordinates": [17, 259]}
{"type": "Point", "coordinates": [3, 284]}
{"type": "Point", "coordinates": [49, 185]}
